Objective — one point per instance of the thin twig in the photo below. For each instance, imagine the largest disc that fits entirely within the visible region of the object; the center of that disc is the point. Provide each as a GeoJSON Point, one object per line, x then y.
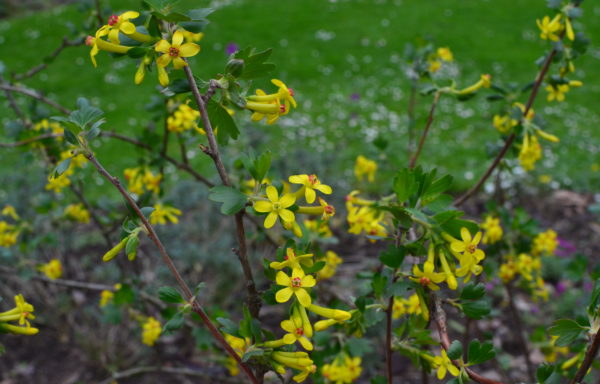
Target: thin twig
{"type": "Point", "coordinates": [33, 94]}
{"type": "Point", "coordinates": [254, 299]}
{"type": "Point", "coordinates": [171, 370]}
{"type": "Point", "coordinates": [415, 157]}
{"type": "Point", "coordinates": [13, 104]}
{"type": "Point", "coordinates": [196, 307]}
{"type": "Point", "coordinates": [590, 355]}
{"type": "Point", "coordinates": [440, 319]}
{"type": "Point", "coordinates": [99, 12]}
{"type": "Point", "coordinates": [48, 59]}
{"type": "Point", "coordinates": [509, 140]}
{"type": "Point", "coordinates": [30, 140]}
{"type": "Point", "coordinates": [520, 333]}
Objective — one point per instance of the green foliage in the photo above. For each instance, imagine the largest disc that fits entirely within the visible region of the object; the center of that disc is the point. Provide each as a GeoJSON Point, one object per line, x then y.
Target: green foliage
{"type": "Point", "coordinates": [455, 350]}
{"type": "Point", "coordinates": [170, 295]}
{"type": "Point", "coordinates": [222, 121]}
{"type": "Point", "coordinates": [232, 199]}
{"type": "Point", "coordinates": [255, 64]}
{"type": "Point", "coordinates": [479, 353]}
{"type": "Point", "coordinates": [567, 330]}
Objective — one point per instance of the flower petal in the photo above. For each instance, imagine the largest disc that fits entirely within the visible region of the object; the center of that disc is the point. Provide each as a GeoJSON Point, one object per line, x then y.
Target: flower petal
{"type": "Point", "coordinates": [465, 234]}
{"type": "Point", "coordinates": [476, 239]}
{"type": "Point", "coordinates": [288, 325]}
{"type": "Point", "coordinates": [303, 297]}
{"type": "Point", "coordinates": [298, 179]}
{"type": "Point", "coordinates": [127, 28]}
{"type": "Point", "coordinates": [278, 83]}
{"type": "Point", "coordinates": [272, 193]}
{"type": "Point", "coordinates": [177, 39]}
{"type": "Point", "coordinates": [129, 15]}
{"type": "Point", "coordinates": [163, 60]}
{"type": "Point", "coordinates": [189, 49]}
{"type": "Point", "coordinates": [162, 46]}
{"type": "Point", "coordinates": [263, 206]}
{"type": "Point", "coordinates": [287, 215]}
{"type": "Point", "coordinates": [306, 344]}
{"type": "Point", "coordinates": [308, 281]}
{"type": "Point", "coordinates": [458, 246]}
{"type": "Point", "coordinates": [113, 35]}
{"type": "Point", "coordinates": [179, 63]}
{"type": "Point", "coordinates": [297, 272]}
{"type": "Point", "coordinates": [289, 338]}
{"type": "Point", "coordinates": [270, 220]}
{"type": "Point", "coordinates": [282, 279]}
{"type": "Point", "coordinates": [287, 200]}
{"type": "Point", "coordinates": [310, 195]}
{"type": "Point", "coordinates": [283, 295]}
{"type": "Point", "coordinates": [326, 189]}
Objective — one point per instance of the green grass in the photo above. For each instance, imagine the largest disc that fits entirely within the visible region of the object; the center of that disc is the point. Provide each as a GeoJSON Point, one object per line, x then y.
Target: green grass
{"type": "Point", "coordinates": [326, 51]}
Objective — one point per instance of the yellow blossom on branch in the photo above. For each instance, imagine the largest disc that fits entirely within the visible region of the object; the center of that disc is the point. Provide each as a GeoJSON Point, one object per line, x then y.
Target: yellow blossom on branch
{"type": "Point", "coordinates": [493, 230]}
{"type": "Point", "coordinates": [468, 244]}
{"type": "Point", "coordinates": [294, 285]}
{"type": "Point", "coordinates": [52, 269]}
{"type": "Point", "coordinates": [504, 123]}
{"type": "Point", "coordinates": [175, 51]}
{"type": "Point", "coordinates": [293, 261]}
{"type": "Point", "coordinates": [21, 313]}
{"type": "Point", "coordinates": [365, 167]}
{"type": "Point", "coordinates": [295, 333]}
{"type": "Point", "coordinates": [163, 214]}
{"type": "Point", "coordinates": [283, 95]}
{"type": "Point", "coordinates": [427, 278]}
{"type": "Point", "coordinates": [183, 119]}
{"type": "Point", "coordinates": [545, 243]}
{"type": "Point", "coordinates": [276, 207]}
{"type": "Point", "coordinates": [531, 152]}
{"type": "Point", "coordinates": [332, 260]}
{"type": "Point", "coordinates": [444, 365]}
{"type": "Point", "coordinates": [9, 211]}
{"type": "Point", "coordinates": [77, 212]}
{"type": "Point", "coordinates": [8, 234]}
{"type": "Point", "coordinates": [550, 29]}
{"type": "Point", "coordinates": [310, 184]}
{"type": "Point", "coordinates": [151, 330]}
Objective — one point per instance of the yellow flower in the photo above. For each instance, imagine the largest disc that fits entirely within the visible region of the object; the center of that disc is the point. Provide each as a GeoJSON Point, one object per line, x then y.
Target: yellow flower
{"type": "Point", "coordinates": [98, 44]}
{"type": "Point", "coordinates": [140, 180]}
{"type": "Point", "coordinates": [163, 213]}
{"type": "Point", "coordinates": [106, 297]}
{"type": "Point", "coordinates": [292, 260]}
{"type": "Point", "coordinates": [52, 269]}
{"type": "Point", "coordinates": [22, 312]}
{"type": "Point", "coordinates": [557, 92]}
{"type": "Point", "coordinates": [485, 81]}
{"type": "Point", "coordinates": [296, 333]}
{"type": "Point", "coordinates": [183, 119]}
{"type": "Point", "coordinates": [468, 244]}
{"type": "Point", "coordinates": [531, 152]}
{"type": "Point", "coordinates": [271, 110]}
{"type": "Point", "coordinates": [10, 211]}
{"type": "Point", "coordinates": [550, 29]}
{"type": "Point", "coordinates": [299, 378]}
{"type": "Point", "coordinates": [175, 51]}
{"type": "Point", "coordinates": [310, 184]}
{"type": "Point", "coordinates": [240, 346]}
{"type": "Point", "coordinates": [527, 265]}
{"type": "Point", "coordinates": [276, 207]}
{"type": "Point", "coordinates": [508, 271]}
{"type": "Point", "coordinates": [444, 365]}
{"type": "Point", "coordinates": [191, 37]}
{"type": "Point", "coordinates": [151, 330]}
{"type": "Point", "coordinates": [319, 227]}
{"type": "Point", "coordinates": [77, 212]}
{"type": "Point", "coordinates": [428, 278]}
{"type": "Point", "coordinates": [332, 260]}
{"type": "Point", "coordinates": [330, 313]}
{"type": "Point", "coordinates": [284, 94]}
{"type": "Point", "coordinates": [445, 54]}
{"type": "Point", "coordinates": [434, 65]}
{"type": "Point", "coordinates": [294, 285]}
{"type": "Point", "coordinates": [493, 230]}
{"type": "Point", "coordinates": [56, 184]}
{"type": "Point", "coordinates": [343, 369]}
{"type": "Point", "coordinates": [504, 123]}
{"type": "Point", "coordinates": [121, 23]}
{"type": "Point", "coordinates": [8, 234]}
{"type": "Point", "coordinates": [364, 166]}
{"type": "Point", "coordinates": [294, 360]}
{"type": "Point", "coordinates": [545, 243]}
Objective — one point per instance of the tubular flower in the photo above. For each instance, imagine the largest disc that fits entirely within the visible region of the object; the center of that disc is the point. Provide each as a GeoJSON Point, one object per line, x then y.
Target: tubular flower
{"type": "Point", "coordinates": [485, 81]}
{"type": "Point", "coordinates": [276, 207]}
{"type": "Point", "coordinates": [122, 24]}
{"type": "Point", "coordinates": [504, 123]}
{"type": "Point", "coordinates": [284, 95]}
{"type": "Point", "coordinates": [77, 212]}
{"type": "Point", "coordinates": [22, 312]}
{"type": "Point", "coordinates": [545, 243]}
{"type": "Point", "coordinates": [427, 278]}
{"type": "Point", "coordinates": [294, 285]}
{"type": "Point", "coordinates": [271, 110]}
{"type": "Point", "coordinates": [296, 333]}
{"type": "Point", "coordinates": [292, 260]}
{"type": "Point", "coordinates": [310, 184]}
{"type": "Point", "coordinates": [151, 330]}
{"type": "Point", "coordinates": [304, 373]}
{"type": "Point", "coordinates": [531, 152]}
{"type": "Point", "coordinates": [343, 369]}
{"type": "Point", "coordinates": [330, 313]}
{"type": "Point", "coordinates": [364, 166]}
{"type": "Point", "coordinates": [52, 269]}
{"type": "Point", "coordinates": [493, 230]}
{"type": "Point", "coordinates": [550, 29]}
{"type": "Point", "coordinates": [163, 214]}
{"type": "Point", "coordinates": [294, 360]}
{"type": "Point", "coordinates": [98, 44]}
{"type": "Point", "coordinates": [191, 37]}
{"type": "Point", "coordinates": [444, 365]}
{"type": "Point", "coordinates": [240, 346]}
{"type": "Point", "coordinates": [175, 51]}
{"type": "Point", "coordinates": [468, 244]}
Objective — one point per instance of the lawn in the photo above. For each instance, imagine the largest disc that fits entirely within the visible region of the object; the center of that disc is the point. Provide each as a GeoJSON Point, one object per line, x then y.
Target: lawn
{"type": "Point", "coordinates": [329, 51]}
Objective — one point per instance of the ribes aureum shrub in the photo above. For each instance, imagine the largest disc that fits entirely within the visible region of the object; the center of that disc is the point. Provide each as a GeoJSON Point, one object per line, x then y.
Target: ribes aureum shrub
{"type": "Point", "coordinates": [293, 320]}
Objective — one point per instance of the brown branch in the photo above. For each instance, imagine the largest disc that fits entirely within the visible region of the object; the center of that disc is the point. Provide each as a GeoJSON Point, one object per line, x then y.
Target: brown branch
{"type": "Point", "coordinates": [590, 355]}
{"type": "Point", "coordinates": [520, 332]}
{"type": "Point", "coordinates": [196, 307]}
{"type": "Point", "coordinates": [388, 340]}
{"type": "Point", "coordinates": [536, 87]}
{"type": "Point", "coordinates": [440, 319]}
{"type": "Point", "coordinates": [254, 299]}
{"type": "Point", "coordinates": [40, 67]}
{"type": "Point", "coordinates": [171, 370]}
{"type": "Point", "coordinates": [30, 140]}
{"type": "Point", "coordinates": [415, 157]}
{"type": "Point", "coordinates": [99, 12]}
{"type": "Point", "coordinates": [35, 95]}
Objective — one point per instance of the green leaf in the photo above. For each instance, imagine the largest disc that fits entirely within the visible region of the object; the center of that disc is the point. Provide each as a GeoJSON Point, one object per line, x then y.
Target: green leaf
{"type": "Point", "coordinates": [232, 199]}
{"type": "Point", "coordinates": [124, 295]}
{"type": "Point", "coordinates": [175, 17]}
{"type": "Point", "coordinates": [393, 256]}
{"type": "Point", "coordinates": [254, 63]}
{"type": "Point", "coordinates": [316, 267]}
{"type": "Point", "coordinates": [162, 6]}
{"type": "Point", "coordinates": [404, 184]}
{"type": "Point", "coordinates": [85, 113]}
{"type": "Point", "coordinates": [174, 323]}
{"type": "Point", "coordinates": [359, 346]}
{"type": "Point", "coordinates": [228, 326]}
{"type": "Point", "coordinates": [543, 372]}
{"type": "Point", "coordinates": [251, 353]}
{"type": "Point", "coordinates": [455, 350]}
{"type": "Point", "coordinates": [70, 137]}
{"type": "Point", "coordinates": [476, 309]}
{"type": "Point", "coordinates": [594, 299]}
{"type": "Point", "coordinates": [453, 227]}
{"type": "Point", "coordinates": [62, 167]}
{"type": "Point", "coordinates": [378, 284]}
{"type": "Point", "coordinates": [137, 52]}
{"type": "Point", "coordinates": [131, 247]}
{"type": "Point", "coordinates": [199, 13]}
{"type": "Point", "coordinates": [443, 217]}
{"type": "Point", "coordinates": [472, 291]}
{"type": "Point", "coordinates": [438, 187]}
{"type": "Point", "coordinates": [479, 353]}
{"type": "Point", "coordinates": [170, 295]}
{"type": "Point", "coordinates": [262, 165]}
{"type": "Point", "coordinates": [417, 215]}
{"type": "Point", "coordinates": [147, 211]}
{"type": "Point", "coordinates": [222, 120]}
{"type": "Point", "coordinates": [567, 331]}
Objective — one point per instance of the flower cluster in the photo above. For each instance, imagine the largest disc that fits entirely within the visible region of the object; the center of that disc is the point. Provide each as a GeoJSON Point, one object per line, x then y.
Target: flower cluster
{"type": "Point", "coordinates": [343, 369]}
{"type": "Point", "coordinates": [438, 57]}
{"type": "Point", "coordinates": [9, 232]}
{"type": "Point", "coordinates": [52, 269]}
{"type": "Point", "coordinates": [402, 306]}
{"type": "Point", "coordinates": [21, 313]}
{"type": "Point", "coordinates": [271, 106]}
{"type": "Point", "coordinates": [141, 179]}
{"type": "Point", "coordinates": [151, 330]}
{"type": "Point", "coordinates": [364, 217]}
{"type": "Point", "coordinates": [77, 212]}
{"type": "Point", "coordinates": [163, 214]}
{"type": "Point", "coordinates": [545, 243]}
{"type": "Point", "coordinates": [183, 119]}
{"type": "Point", "coordinates": [492, 230]}
{"type": "Point", "coordinates": [365, 167]}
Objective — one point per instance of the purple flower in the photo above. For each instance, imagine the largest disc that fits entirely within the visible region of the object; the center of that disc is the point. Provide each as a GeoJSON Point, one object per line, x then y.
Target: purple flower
{"type": "Point", "coordinates": [232, 48]}
{"type": "Point", "coordinates": [565, 248]}
{"type": "Point", "coordinates": [489, 286]}
{"type": "Point", "coordinates": [355, 96]}
{"type": "Point", "coordinates": [560, 287]}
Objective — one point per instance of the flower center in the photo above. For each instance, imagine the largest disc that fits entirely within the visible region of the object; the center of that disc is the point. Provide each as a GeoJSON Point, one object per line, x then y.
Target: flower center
{"type": "Point", "coordinates": [312, 179]}
{"type": "Point", "coordinates": [276, 206]}
{"type": "Point", "coordinates": [296, 282]}
{"type": "Point", "coordinates": [299, 331]}
{"type": "Point", "coordinates": [282, 108]}
{"type": "Point", "coordinates": [113, 19]}
{"type": "Point", "coordinates": [329, 209]}
{"type": "Point", "coordinates": [471, 248]}
{"type": "Point", "coordinates": [173, 52]}
{"type": "Point", "coordinates": [424, 281]}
